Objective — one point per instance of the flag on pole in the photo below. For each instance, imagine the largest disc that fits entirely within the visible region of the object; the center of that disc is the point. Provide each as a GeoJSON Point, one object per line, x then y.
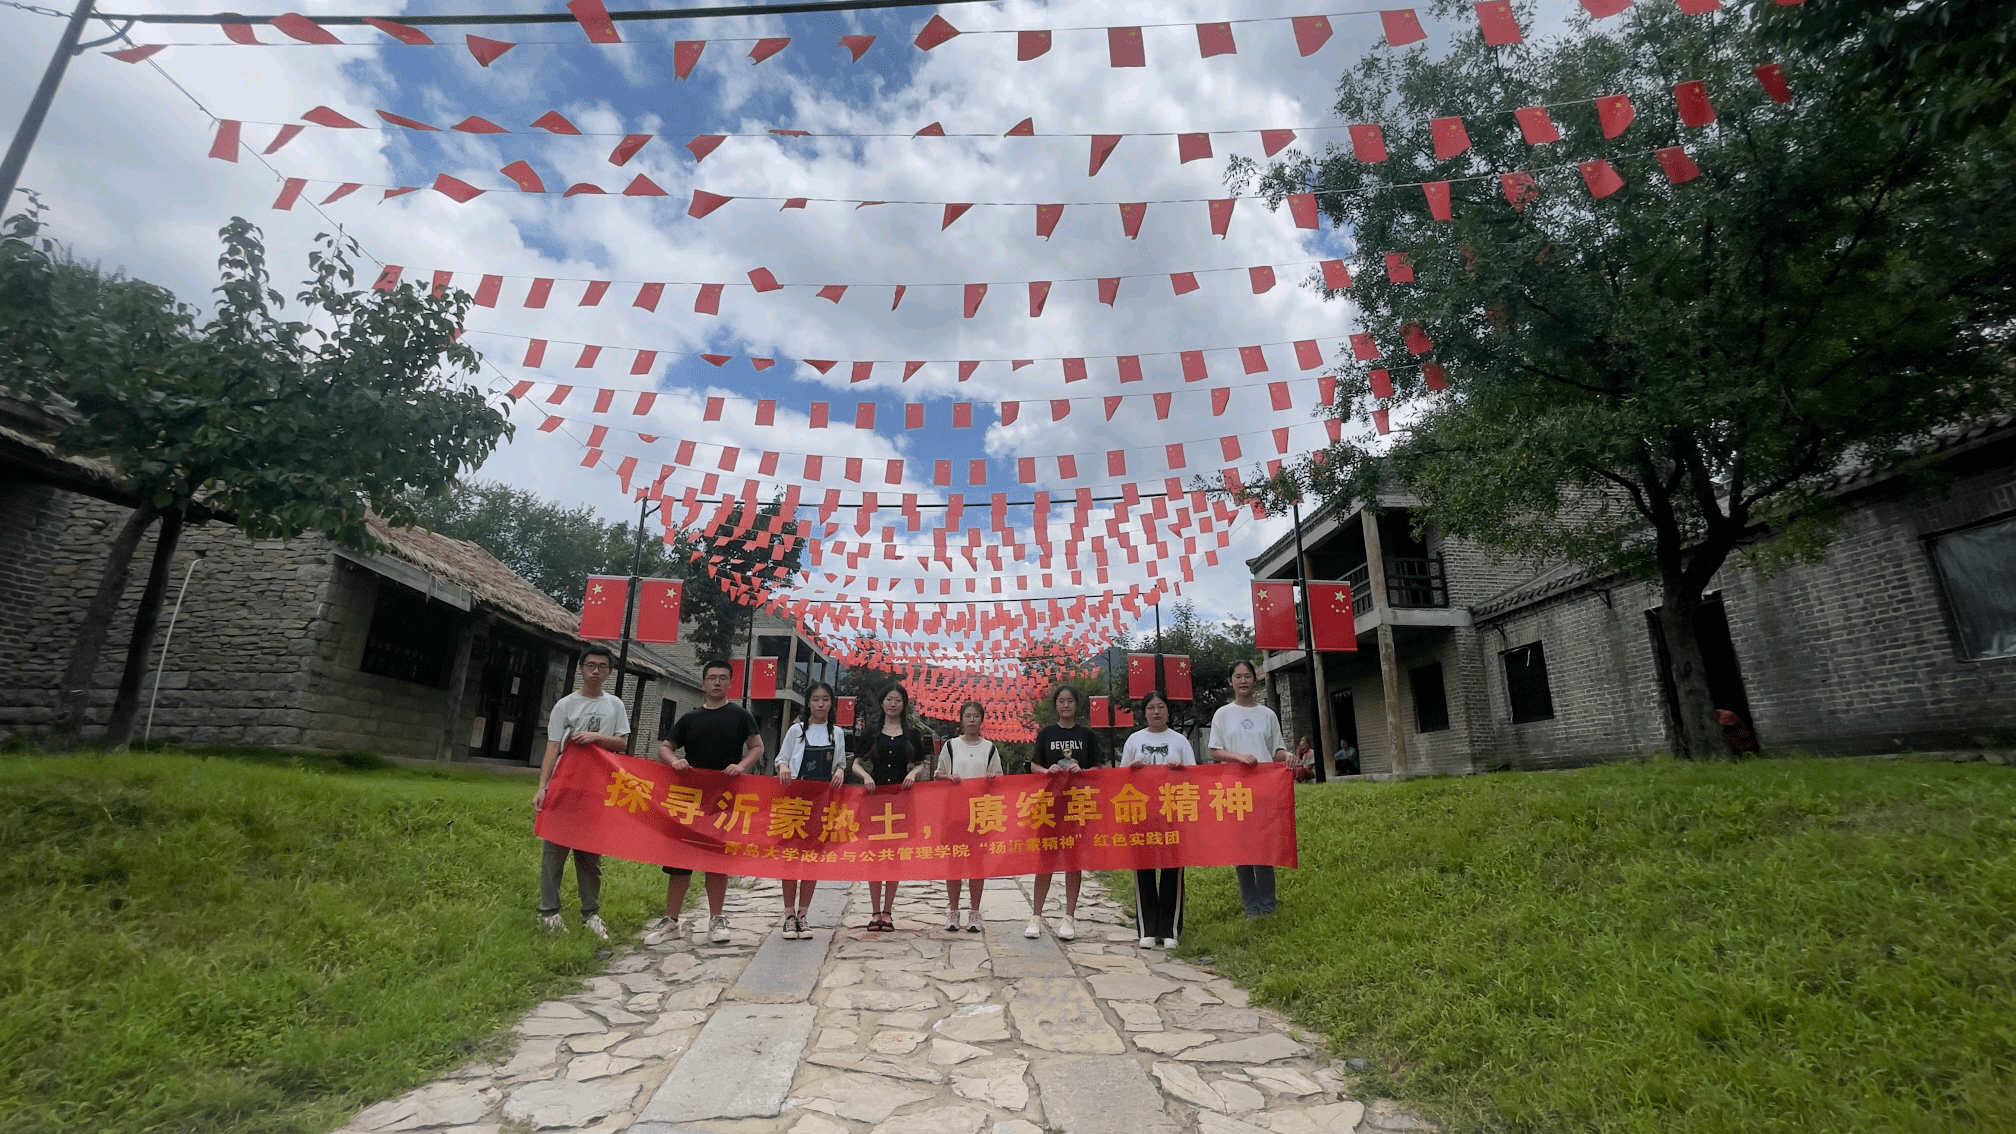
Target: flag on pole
{"type": "Point", "coordinates": [602, 607]}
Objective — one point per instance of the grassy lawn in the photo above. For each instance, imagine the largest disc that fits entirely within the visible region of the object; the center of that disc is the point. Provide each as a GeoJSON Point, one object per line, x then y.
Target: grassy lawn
{"type": "Point", "coordinates": [258, 943]}
{"type": "Point", "coordinates": [1762, 948]}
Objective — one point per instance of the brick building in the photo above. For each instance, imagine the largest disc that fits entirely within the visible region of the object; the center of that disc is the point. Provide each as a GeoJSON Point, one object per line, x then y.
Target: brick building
{"type": "Point", "coordinates": [428, 648]}
{"type": "Point", "coordinates": [1903, 636]}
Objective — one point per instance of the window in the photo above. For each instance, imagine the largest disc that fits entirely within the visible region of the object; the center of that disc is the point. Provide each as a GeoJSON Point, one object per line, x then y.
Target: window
{"type": "Point", "coordinates": [772, 646]}
{"type": "Point", "coordinates": [1431, 704]}
{"type": "Point", "coordinates": [1978, 568]}
{"type": "Point", "coordinates": [668, 715]}
{"type": "Point", "coordinates": [410, 638]}
{"type": "Point", "coordinates": [1526, 684]}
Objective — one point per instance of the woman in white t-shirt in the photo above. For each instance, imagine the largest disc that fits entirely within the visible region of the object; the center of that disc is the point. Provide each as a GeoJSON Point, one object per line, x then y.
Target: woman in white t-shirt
{"type": "Point", "coordinates": [1158, 894]}
{"type": "Point", "coordinates": [967, 756]}
{"type": "Point", "coordinates": [812, 750]}
{"type": "Point", "coordinates": [1248, 732]}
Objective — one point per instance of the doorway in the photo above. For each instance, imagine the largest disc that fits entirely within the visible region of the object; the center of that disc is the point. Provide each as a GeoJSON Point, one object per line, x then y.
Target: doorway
{"type": "Point", "coordinates": [507, 701]}
{"type": "Point", "coordinates": [1344, 714]}
{"type": "Point", "coordinates": [1718, 658]}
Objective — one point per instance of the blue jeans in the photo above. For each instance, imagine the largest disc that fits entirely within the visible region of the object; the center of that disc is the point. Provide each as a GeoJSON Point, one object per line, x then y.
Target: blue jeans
{"type": "Point", "coordinates": [1256, 889]}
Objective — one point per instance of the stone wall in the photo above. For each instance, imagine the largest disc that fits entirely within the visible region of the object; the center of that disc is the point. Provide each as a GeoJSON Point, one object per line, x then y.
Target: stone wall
{"type": "Point", "coordinates": [237, 667]}
{"type": "Point", "coordinates": [1859, 653]}
{"type": "Point", "coordinates": [354, 709]}
{"type": "Point", "coordinates": [1602, 676]}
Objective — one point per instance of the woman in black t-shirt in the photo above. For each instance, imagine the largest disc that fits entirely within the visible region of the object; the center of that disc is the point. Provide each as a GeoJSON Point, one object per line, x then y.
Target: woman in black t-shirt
{"type": "Point", "coordinates": [1062, 748]}
{"type": "Point", "coordinates": [889, 751]}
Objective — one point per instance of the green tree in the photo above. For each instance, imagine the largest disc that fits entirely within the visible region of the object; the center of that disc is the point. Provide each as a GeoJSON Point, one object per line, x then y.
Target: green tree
{"type": "Point", "coordinates": [1213, 648]}
{"type": "Point", "coordinates": [1642, 382]}
{"type": "Point", "coordinates": [285, 426]}
{"type": "Point", "coordinates": [1946, 68]}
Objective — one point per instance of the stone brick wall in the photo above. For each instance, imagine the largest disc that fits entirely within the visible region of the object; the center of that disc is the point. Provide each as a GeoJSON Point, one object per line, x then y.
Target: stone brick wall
{"type": "Point", "coordinates": [1601, 674]}
{"type": "Point", "coordinates": [1859, 653]}
{"type": "Point", "coordinates": [236, 669]}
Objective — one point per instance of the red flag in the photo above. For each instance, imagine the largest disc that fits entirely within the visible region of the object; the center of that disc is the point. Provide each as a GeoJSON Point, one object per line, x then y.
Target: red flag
{"type": "Point", "coordinates": [1519, 188]}
{"type": "Point", "coordinates": [843, 712]}
{"type": "Point", "coordinates": [1604, 8]}
{"type": "Point", "coordinates": [1692, 99]}
{"type": "Point", "coordinates": [1601, 179]}
{"type": "Point", "coordinates": [658, 610]}
{"type": "Point", "coordinates": [1368, 143]}
{"type": "Point", "coordinates": [736, 673]}
{"type": "Point", "coordinates": [602, 607]}
{"type": "Point", "coordinates": [1176, 673]}
{"type": "Point", "coordinates": [1772, 78]}
{"type": "Point", "coordinates": [1402, 27]}
{"type": "Point", "coordinates": [1124, 47]}
{"type": "Point", "coordinates": [1101, 713]}
{"type": "Point", "coordinates": [1536, 126]}
{"type": "Point", "coordinates": [1450, 137]}
{"type": "Point", "coordinates": [1615, 113]}
{"type": "Point", "coordinates": [1678, 166]}
{"type": "Point", "coordinates": [1500, 27]}
{"type": "Point", "coordinates": [1215, 39]}
{"type": "Point", "coordinates": [1332, 626]}
{"type": "Point", "coordinates": [1274, 616]}
{"type": "Point", "coordinates": [1140, 675]}
{"type": "Point", "coordinates": [1311, 33]}
{"type": "Point", "coordinates": [763, 680]}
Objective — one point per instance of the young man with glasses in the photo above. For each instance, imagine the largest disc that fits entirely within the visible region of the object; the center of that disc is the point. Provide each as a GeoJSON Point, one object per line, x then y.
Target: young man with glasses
{"type": "Point", "coordinates": [588, 717]}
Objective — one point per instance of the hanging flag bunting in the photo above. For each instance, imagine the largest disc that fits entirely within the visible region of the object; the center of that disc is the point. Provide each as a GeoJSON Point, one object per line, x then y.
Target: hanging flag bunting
{"type": "Point", "coordinates": [1615, 113]}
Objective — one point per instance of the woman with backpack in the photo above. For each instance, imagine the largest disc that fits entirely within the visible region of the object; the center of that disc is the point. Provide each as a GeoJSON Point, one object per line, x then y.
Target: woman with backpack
{"type": "Point", "coordinates": [967, 756]}
{"type": "Point", "coordinates": [812, 750]}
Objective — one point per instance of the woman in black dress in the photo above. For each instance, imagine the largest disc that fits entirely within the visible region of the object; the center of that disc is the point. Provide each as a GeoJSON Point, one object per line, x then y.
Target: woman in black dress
{"type": "Point", "coordinates": [889, 751]}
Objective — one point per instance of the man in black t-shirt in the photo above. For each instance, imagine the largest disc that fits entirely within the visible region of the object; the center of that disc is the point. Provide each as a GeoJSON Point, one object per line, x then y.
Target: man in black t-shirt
{"type": "Point", "coordinates": [720, 737]}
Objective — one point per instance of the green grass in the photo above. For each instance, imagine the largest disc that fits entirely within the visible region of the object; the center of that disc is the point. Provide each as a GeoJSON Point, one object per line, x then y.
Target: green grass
{"type": "Point", "coordinates": [1761, 948]}
{"type": "Point", "coordinates": [264, 942]}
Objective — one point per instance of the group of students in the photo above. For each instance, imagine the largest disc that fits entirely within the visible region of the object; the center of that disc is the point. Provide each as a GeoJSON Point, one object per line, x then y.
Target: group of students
{"type": "Point", "coordinates": [892, 750]}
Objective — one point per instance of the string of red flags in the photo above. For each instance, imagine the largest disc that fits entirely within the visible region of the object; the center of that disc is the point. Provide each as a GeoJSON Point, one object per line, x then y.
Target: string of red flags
{"type": "Point", "coordinates": [1303, 208]}
{"type": "Point", "coordinates": [488, 288]}
{"type": "Point", "coordinates": [1195, 365]}
{"type": "Point", "coordinates": [1449, 135]}
{"type": "Point", "coordinates": [1126, 45]}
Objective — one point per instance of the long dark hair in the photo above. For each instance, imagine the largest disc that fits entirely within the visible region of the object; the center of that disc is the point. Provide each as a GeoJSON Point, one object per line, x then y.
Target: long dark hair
{"type": "Point", "coordinates": [911, 734]}
{"type": "Point", "coordinates": [1156, 695]}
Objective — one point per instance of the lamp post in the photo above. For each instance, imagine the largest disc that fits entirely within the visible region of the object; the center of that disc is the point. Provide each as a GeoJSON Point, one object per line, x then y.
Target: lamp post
{"type": "Point", "coordinates": [1326, 736]}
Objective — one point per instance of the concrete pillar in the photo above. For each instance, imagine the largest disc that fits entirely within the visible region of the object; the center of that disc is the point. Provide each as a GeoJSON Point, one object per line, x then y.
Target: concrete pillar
{"type": "Point", "coordinates": [1389, 672]}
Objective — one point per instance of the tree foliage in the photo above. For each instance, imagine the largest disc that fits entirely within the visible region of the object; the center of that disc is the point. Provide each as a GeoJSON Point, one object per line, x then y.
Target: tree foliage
{"type": "Point", "coordinates": [556, 548]}
{"type": "Point", "coordinates": [1640, 381]}
{"type": "Point", "coordinates": [284, 425]}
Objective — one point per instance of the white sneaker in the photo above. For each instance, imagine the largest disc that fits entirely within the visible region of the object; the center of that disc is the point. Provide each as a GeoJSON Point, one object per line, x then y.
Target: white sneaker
{"type": "Point", "coordinates": [1034, 928]}
{"type": "Point", "coordinates": [719, 933]}
{"type": "Point", "coordinates": [1168, 942]}
{"type": "Point", "coordinates": [1066, 928]}
{"type": "Point", "coordinates": [551, 923]}
{"type": "Point", "coordinates": [664, 929]}
{"type": "Point", "coordinates": [1146, 943]}
{"type": "Point", "coordinates": [595, 926]}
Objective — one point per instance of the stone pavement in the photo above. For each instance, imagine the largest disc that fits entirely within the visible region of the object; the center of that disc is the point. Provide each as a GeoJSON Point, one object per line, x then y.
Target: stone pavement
{"type": "Point", "coordinates": [914, 1032]}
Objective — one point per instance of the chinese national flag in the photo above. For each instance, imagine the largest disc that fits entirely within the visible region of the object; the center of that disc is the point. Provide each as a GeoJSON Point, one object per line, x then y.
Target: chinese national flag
{"type": "Point", "coordinates": [1332, 626]}
{"type": "Point", "coordinates": [1101, 713]}
{"type": "Point", "coordinates": [658, 610]}
{"type": "Point", "coordinates": [602, 607]}
{"type": "Point", "coordinates": [1176, 669]}
{"type": "Point", "coordinates": [763, 681]}
{"type": "Point", "coordinates": [1123, 718]}
{"type": "Point", "coordinates": [843, 712]}
{"type": "Point", "coordinates": [735, 677]}
{"type": "Point", "coordinates": [1274, 616]}
{"type": "Point", "coordinates": [1140, 675]}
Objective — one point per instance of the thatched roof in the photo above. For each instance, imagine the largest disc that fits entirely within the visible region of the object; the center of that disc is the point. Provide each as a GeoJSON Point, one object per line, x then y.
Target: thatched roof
{"type": "Point", "coordinates": [488, 581]}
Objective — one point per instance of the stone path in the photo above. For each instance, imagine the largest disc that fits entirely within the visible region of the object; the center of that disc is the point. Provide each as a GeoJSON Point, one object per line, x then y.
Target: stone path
{"type": "Point", "coordinates": [913, 1032]}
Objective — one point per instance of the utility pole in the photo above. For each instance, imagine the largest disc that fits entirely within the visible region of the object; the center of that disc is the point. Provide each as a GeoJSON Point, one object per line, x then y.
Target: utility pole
{"type": "Point", "coordinates": [1326, 735]}
{"type": "Point", "coordinates": [630, 599]}
{"type": "Point", "coordinates": [38, 106]}
{"type": "Point", "coordinates": [1389, 677]}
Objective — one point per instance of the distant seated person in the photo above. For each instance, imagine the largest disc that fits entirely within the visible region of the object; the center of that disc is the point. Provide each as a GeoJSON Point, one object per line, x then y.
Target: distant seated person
{"type": "Point", "coordinates": [1347, 760]}
{"type": "Point", "coordinates": [1304, 761]}
{"type": "Point", "coordinates": [1736, 734]}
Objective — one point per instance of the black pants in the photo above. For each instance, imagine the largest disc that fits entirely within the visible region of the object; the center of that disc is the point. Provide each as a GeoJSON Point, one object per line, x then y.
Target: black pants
{"type": "Point", "coordinates": [1158, 902]}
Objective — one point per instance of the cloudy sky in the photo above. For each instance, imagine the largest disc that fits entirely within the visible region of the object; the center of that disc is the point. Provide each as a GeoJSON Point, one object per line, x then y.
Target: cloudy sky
{"type": "Point", "coordinates": [121, 165]}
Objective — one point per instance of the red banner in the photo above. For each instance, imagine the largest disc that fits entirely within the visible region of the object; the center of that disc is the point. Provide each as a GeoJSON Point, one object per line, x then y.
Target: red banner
{"type": "Point", "coordinates": [1103, 819]}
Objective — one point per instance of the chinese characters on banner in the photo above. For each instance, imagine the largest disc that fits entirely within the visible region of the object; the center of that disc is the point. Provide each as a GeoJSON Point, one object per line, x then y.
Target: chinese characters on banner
{"type": "Point", "coordinates": [1103, 819]}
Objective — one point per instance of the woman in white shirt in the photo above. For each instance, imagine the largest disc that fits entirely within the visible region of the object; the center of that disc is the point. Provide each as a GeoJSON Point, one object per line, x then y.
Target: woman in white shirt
{"type": "Point", "coordinates": [812, 750]}
{"type": "Point", "coordinates": [967, 756]}
{"type": "Point", "coordinates": [1247, 732]}
{"type": "Point", "coordinates": [1158, 894]}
